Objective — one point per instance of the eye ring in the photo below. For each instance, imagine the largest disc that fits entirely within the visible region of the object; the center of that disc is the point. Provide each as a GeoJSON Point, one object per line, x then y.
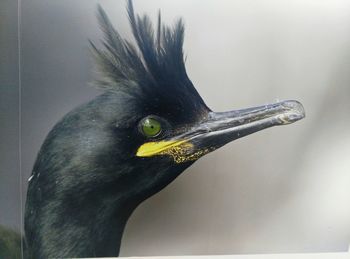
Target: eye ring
{"type": "Point", "coordinates": [151, 126]}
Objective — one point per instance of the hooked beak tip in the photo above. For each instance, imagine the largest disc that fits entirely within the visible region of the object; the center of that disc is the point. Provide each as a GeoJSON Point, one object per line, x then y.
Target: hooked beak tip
{"type": "Point", "coordinates": [294, 111]}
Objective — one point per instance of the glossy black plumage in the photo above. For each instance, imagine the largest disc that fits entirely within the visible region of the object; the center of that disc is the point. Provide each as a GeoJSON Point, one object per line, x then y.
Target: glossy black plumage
{"type": "Point", "coordinates": [86, 178]}
{"type": "Point", "coordinates": [89, 175]}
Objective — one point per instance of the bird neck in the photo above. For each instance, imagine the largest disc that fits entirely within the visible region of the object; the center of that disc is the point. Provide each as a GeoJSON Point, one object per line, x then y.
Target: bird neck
{"type": "Point", "coordinates": [105, 233]}
{"type": "Point", "coordinates": [88, 227]}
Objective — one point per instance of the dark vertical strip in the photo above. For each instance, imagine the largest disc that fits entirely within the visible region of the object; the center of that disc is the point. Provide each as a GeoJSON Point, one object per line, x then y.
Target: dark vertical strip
{"type": "Point", "coordinates": [19, 2]}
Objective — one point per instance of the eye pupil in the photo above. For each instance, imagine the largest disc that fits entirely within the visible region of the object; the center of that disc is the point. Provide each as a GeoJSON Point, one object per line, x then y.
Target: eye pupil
{"type": "Point", "coordinates": [151, 127]}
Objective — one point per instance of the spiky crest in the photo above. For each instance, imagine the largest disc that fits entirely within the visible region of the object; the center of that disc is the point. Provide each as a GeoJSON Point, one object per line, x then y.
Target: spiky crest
{"type": "Point", "coordinates": [155, 60]}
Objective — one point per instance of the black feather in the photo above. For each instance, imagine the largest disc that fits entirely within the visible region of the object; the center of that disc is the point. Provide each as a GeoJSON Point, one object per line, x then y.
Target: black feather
{"type": "Point", "coordinates": [156, 59]}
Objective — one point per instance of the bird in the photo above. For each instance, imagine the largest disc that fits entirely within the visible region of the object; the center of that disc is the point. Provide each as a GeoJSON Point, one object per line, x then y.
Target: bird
{"type": "Point", "coordinates": [107, 156]}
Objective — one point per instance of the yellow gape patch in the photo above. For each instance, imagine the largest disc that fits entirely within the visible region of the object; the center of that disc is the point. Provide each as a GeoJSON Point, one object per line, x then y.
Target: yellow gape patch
{"type": "Point", "coordinates": [162, 147]}
{"type": "Point", "coordinates": [180, 150]}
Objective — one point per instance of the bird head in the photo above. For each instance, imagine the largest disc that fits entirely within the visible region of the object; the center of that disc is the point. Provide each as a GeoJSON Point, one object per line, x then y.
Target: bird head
{"type": "Point", "coordinates": [167, 126]}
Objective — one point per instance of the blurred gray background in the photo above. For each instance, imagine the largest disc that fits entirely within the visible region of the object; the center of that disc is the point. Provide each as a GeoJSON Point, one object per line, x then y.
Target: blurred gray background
{"type": "Point", "coordinates": [10, 205]}
{"type": "Point", "coordinates": [286, 189]}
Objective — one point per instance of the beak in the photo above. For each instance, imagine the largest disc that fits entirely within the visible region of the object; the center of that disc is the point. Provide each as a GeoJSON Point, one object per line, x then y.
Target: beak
{"type": "Point", "coordinates": [220, 128]}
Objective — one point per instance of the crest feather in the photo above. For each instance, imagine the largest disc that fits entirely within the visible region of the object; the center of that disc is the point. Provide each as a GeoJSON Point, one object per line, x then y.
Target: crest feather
{"type": "Point", "coordinates": [156, 58]}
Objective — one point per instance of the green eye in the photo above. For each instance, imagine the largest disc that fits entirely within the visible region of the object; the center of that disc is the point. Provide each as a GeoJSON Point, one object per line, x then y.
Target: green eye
{"type": "Point", "coordinates": [151, 127]}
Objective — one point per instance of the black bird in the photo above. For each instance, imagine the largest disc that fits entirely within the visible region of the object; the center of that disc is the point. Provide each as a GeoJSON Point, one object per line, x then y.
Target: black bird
{"type": "Point", "coordinates": [107, 156]}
